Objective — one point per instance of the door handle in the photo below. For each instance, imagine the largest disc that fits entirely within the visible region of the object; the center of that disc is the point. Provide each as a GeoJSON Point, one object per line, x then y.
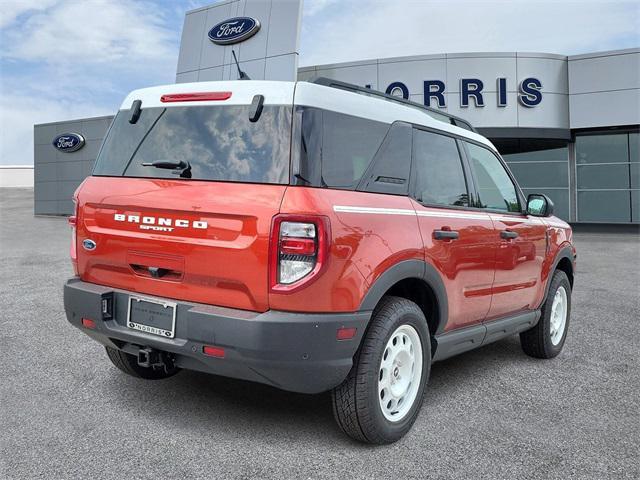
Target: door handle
{"type": "Point", "coordinates": [508, 234]}
{"type": "Point", "coordinates": [445, 235]}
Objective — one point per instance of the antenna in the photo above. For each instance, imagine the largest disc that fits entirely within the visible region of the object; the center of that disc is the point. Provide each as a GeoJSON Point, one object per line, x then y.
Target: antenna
{"type": "Point", "coordinates": [241, 74]}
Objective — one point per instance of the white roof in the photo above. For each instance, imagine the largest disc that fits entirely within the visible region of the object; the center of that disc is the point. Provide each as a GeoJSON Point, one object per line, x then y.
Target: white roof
{"type": "Point", "coordinates": [242, 92]}
{"type": "Point", "coordinates": [306, 94]}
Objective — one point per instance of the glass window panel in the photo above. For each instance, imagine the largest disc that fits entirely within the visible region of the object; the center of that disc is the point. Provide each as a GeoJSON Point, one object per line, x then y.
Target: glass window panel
{"type": "Point", "coordinates": [439, 174]}
{"type": "Point", "coordinates": [602, 148]}
{"type": "Point", "coordinates": [634, 147]}
{"type": "Point", "coordinates": [604, 206]}
{"type": "Point", "coordinates": [541, 174]}
{"type": "Point", "coordinates": [495, 188]}
{"type": "Point", "coordinates": [336, 149]}
{"type": "Point", "coordinates": [560, 199]}
{"type": "Point", "coordinates": [603, 176]}
{"type": "Point", "coordinates": [634, 169]}
{"type": "Point", "coordinates": [635, 206]}
{"type": "Point", "coordinates": [220, 143]}
{"type": "Point", "coordinates": [532, 150]}
{"type": "Point", "coordinates": [348, 146]}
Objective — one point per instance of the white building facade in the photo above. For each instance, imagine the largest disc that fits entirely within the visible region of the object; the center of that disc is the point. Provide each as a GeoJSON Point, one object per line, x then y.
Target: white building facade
{"type": "Point", "coordinates": [566, 125]}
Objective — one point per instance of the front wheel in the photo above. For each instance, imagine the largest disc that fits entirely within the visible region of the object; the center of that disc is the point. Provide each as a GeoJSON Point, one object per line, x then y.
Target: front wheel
{"type": "Point", "coordinates": [380, 399]}
{"type": "Point", "coordinates": [547, 338]}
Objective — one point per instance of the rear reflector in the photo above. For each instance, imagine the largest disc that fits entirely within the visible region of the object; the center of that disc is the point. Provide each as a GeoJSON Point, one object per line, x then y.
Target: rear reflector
{"type": "Point", "coordinates": [210, 351]}
{"type": "Point", "coordinates": [346, 333]}
{"type": "Point", "coordinates": [88, 323]}
{"type": "Point", "coordinates": [195, 97]}
{"type": "Point", "coordinates": [72, 220]}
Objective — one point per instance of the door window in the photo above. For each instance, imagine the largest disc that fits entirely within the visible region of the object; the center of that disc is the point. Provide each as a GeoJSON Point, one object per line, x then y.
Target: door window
{"type": "Point", "coordinates": [439, 177]}
{"type": "Point", "coordinates": [496, 191]}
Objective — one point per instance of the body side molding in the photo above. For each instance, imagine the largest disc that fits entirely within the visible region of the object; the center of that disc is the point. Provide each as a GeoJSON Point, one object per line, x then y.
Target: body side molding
{"type": "Point", "coordinates": [468, 338]}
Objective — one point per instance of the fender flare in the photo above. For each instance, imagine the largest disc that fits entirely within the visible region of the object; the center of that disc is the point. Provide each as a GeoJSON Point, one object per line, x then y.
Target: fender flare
{"type": "Point", "coordinates": [564, 252]}
{"type": "Point", "coordinates": [402, 271]}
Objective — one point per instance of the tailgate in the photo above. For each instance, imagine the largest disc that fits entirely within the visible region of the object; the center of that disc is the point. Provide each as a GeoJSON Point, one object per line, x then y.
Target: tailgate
{"type": "Point", "coordinates": [196, 241]}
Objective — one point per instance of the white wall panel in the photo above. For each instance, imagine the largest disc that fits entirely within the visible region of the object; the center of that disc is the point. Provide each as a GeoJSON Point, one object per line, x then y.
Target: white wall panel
{"type": "Point", "coordinates": [552, 72]}
{"type": "Point", "coordinates": [488, 116]}
{"type": "Point", "coordinates": [605, 109]}
{"type": "Point", "coordinates": [278, 36]}
{"type": "Point", "coordinates": [487, 69]}
{"type": "Point", "coordinates": [412, 73]}
{"type": "Point", "coordinates": [552, 112]}
{"type": "Point", "coordinates": [359, 74]}
{"type": "Point", "coordinates": [604, 73]}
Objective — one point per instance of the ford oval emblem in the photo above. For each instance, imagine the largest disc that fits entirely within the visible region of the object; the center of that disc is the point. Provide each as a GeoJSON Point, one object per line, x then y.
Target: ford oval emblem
{"type": "Point", "coordinates": [68, 142]}
{"type": "Point", "coordinates": [89, 244]}
{"type": "Point", "coordinates": [234, 30]}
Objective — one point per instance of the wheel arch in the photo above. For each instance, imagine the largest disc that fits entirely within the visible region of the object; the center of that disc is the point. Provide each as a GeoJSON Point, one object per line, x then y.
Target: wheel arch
{"type": "Point", "coordinates": [564, 261]}
{"type": "Point", "coordinates": [417, 281]}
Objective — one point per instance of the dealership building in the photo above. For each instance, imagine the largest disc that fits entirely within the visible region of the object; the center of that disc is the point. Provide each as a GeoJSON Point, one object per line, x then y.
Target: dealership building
{"type": "Point", "coordinates": [568, 126]}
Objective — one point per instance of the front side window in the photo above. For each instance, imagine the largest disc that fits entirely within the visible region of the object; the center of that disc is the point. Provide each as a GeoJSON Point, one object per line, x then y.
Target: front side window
{"type": "Point", "coordinates": [217, 142]}
{"type": "Point", "coordinates": [496, 191]}
{"type": "Point", "coordinates": [439, 177]}
{"type": "Point", "coordinates": [336, 149]}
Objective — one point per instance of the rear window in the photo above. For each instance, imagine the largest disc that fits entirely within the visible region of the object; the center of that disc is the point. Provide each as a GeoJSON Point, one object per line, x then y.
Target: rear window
{"type": "Point", "coordinates": [219, 143]}
{"type": "Point", "coordinates": [336, 149]}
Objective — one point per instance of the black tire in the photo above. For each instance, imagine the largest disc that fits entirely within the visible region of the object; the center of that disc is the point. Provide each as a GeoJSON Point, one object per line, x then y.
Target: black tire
{"type": "Point", "coordinates": [356, 406]}
{"type": "Point", "coordinates": [536, 342]}
{"type": "Point", "coordinates": [129, 365]}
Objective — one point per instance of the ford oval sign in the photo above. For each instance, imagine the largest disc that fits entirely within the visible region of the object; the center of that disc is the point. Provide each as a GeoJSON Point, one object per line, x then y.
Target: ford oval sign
{"type": "Point", "coordinates": [68, 142]}
{"type": "Point", "coordinates": [234, 30]}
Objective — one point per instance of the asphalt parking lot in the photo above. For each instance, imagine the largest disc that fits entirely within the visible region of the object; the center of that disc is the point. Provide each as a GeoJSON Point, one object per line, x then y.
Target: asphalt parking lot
{"type": "Point", "coordinates": [66, 412]}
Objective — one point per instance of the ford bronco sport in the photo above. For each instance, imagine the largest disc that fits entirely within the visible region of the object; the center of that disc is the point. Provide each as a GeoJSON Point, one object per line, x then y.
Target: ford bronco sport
{"type": "Point", "coordinates": [314, 237]}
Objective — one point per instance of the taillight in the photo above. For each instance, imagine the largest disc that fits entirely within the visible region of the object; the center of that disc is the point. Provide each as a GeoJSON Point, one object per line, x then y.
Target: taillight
{"type": "Point", "coordinates": [73, 220]}
{"type": "Point", "coordinates": [299, 248]}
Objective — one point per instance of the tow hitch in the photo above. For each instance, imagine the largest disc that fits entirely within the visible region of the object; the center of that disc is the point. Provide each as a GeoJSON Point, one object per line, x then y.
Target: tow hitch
{"type": "Point", "coordinates": [150, 358]}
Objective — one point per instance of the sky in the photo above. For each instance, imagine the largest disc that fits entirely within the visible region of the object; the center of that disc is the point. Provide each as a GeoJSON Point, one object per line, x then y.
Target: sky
{"type": "Point", "coordinates": [68, 59]}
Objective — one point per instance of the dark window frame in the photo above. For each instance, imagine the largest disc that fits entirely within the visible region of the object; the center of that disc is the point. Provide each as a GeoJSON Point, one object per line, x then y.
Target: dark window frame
{"type": "Point", "coordinates": [369, 184]}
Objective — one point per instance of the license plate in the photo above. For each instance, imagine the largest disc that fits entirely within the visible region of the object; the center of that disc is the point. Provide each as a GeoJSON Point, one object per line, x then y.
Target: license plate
{"type": "Point", "coordinates": [156, 317]}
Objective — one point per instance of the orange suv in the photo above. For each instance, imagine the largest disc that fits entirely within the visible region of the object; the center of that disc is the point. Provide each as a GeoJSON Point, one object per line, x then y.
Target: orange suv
{"type": "Point", "coordinates": [314, 237]}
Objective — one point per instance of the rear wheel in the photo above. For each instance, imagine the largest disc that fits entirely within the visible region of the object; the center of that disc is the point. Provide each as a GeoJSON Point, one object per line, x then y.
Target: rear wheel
{"type": "Point", "coordinates": [129, 365]}
{"type": "Point", "coordinates": [547, 338]}
{"type": "Point", "coordinates": [380, 399]}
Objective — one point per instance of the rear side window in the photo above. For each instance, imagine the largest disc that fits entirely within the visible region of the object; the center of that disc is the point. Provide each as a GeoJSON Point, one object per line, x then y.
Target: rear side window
{"type": "Point", "coordinates": [439, 175]}
{"type": "Point", "coordinates": [219, 143]}
{"type": "Point", "coordinates": [496, 191]}
{"type": "Point", "coordinates": [336, 149]}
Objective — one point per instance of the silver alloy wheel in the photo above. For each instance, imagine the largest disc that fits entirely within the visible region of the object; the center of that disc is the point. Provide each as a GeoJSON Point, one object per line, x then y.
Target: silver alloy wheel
{"type": "Point", "coordinates": [400, 373]}
{"type": "Point", "coordinates": [558, 319]}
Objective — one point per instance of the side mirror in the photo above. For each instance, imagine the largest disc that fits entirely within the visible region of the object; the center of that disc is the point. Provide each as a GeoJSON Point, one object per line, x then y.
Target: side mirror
{"type": "Point", "coordinates": [539, 205]}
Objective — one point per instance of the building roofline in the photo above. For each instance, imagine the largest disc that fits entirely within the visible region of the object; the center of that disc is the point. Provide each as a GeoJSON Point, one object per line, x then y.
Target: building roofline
{"type": "Point", "coordinates": [443, 56]}
{"type": "Point", "coordinates": [85, 119]}
{"type": "Point", "coordinates": [606, 53]}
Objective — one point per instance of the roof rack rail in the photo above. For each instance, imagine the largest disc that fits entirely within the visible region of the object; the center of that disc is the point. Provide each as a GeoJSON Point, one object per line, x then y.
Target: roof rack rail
{"type": "Point", "coordinates": [432, 112]}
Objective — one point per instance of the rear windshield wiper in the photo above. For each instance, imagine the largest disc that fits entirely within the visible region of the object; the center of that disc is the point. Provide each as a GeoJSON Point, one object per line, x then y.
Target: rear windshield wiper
{"type": "Point", "coordinates": [182, 167]}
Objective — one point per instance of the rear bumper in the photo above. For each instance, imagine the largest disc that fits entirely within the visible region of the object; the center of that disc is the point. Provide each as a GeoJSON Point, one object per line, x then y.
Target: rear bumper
{"type": "Point", "coordinates": [292, 351]}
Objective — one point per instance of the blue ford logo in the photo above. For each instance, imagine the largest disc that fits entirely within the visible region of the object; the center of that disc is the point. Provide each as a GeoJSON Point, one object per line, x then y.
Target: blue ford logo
{"type": "Point", "coordinates": [89, 244]}
{"type": "Point", "coordinates": [234, 30]}
{"type": "Point", "coordinates": [68, 142]}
